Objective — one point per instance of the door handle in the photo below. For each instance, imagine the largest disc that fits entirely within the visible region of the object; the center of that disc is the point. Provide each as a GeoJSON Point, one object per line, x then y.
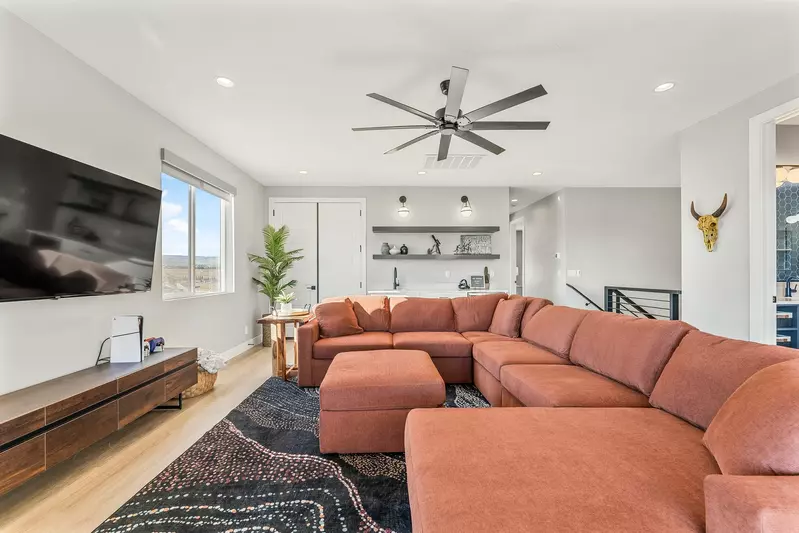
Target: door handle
{"type": "Point", "coordinates": [310, 287]}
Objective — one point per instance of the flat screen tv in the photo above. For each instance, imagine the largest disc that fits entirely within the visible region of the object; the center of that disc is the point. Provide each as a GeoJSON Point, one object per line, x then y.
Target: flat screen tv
{"type": "Point", "coordinates": [69, 229]}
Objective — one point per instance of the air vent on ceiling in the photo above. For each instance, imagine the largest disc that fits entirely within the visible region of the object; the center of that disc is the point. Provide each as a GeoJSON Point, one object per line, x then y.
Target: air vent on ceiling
{"type": "Point", "coordinates": [453, 162]}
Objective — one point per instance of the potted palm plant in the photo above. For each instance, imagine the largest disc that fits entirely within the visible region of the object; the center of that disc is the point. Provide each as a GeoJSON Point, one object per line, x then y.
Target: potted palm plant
{"type": "Point", "coordinates": [273, 268]}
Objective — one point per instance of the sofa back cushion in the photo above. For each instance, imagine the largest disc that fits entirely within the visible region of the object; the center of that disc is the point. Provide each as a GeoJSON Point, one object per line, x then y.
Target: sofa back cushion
{"type": "Point", "coordinates": [421, 314]}
{"type": "Point", "coordinates": [337, 319]}
{"type": "Point", "coordinates": [705, 370]}
{"type": "Point", "coordinates": [533, 306]}
{"type": "Point", "coordinates": [630, 350]}
{"type": "Point", "coordinates": [756, 431]}
{"type": "Point", "coordinates": [474, 313]}
{"type": "Point", "coordinates": [508, 317]}
{"type": "Point", "coordinates": [371, 311]}
{"type": "Point", "coordinates": [553, 328]}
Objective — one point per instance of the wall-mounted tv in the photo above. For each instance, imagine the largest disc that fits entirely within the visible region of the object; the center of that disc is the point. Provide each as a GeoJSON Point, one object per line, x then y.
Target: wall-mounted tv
{"type": "Point", "coordinates": [69, 229]}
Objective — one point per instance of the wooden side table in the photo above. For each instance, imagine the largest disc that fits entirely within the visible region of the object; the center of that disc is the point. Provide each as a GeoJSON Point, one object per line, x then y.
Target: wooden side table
{"type": "Point", "coordinates": [279, 344]}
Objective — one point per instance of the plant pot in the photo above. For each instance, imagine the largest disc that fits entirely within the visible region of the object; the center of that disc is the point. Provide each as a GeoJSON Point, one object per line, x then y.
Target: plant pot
{"type": "Point", "coordinates": [285, 308]}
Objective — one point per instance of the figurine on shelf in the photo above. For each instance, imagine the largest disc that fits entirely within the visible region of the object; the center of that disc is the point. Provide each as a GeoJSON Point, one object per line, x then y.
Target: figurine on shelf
{"type": "Point", "coordinates": [403, 250]}
{"type": "Point", "coordinates": [464, 248]}
{"type": "Point", "coordinates": [436, 249]}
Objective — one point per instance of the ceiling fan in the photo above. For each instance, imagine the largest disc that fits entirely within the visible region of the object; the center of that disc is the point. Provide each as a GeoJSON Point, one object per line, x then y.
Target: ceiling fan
{"type": "Point", "coordinates": [450, 120]}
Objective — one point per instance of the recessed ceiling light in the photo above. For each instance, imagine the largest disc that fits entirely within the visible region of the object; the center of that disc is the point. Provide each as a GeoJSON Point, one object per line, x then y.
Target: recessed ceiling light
{"type": "Point", "coordinates": [303, 171]}
{"type": "Point", "coordinates": [663, 87]}
{"type": "Point", "coordinates": [537, 173]}
{"type": "Point", "coordinates": [422, 172]}
{"type": "Point", "coordinates": [225, 82]}
{"type": "Point", "coordinates": [514, 200]}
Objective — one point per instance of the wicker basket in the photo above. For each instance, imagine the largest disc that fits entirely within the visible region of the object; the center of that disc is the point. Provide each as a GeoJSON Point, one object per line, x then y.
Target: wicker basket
{"type": "Point", "coordinates": [205, 382]}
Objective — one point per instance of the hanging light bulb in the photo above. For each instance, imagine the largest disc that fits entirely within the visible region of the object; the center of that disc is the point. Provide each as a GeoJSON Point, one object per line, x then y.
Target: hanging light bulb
{"type": "Point", "coordinates": [466, 208]}
{"type": "Point", "coordinates": [403, 210]}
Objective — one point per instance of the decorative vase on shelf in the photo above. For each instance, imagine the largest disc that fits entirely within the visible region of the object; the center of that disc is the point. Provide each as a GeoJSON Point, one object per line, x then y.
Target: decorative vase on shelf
{"type": "Point", "coordinates": [384, 249]}
{"type": "Point", "coordinates": [404, 250]}
{"type": "Point", "coordinates": [394, 250]}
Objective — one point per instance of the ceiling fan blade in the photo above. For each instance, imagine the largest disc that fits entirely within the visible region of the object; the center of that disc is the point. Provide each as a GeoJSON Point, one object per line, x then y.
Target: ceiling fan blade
{"type": "Point", "coordinates": [457, 84]}
{"type": "Point", "coordinates": [482, 142]}
{"type": "Point", "coordinates": [415, 127]}
{"type": "Point", "coordinates": [506, 103]}
{"type": "Point", "coordinates": [443, 147]}
{"type": "Point", "coordinates": [402, 106]}
{"type": "Point", "coordinates": [412, 141]}
{"type": "Point", "coordinates": [487, 125]}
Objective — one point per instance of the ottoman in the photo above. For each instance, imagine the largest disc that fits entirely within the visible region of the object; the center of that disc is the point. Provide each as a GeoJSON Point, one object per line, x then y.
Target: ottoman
{"type": "Point", "coordinates": [366, 396]}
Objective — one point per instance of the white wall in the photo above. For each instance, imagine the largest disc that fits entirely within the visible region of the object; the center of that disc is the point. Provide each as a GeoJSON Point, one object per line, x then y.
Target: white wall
{"type": "Point", "coordinates": [714, 161]}
{"type": "Point", "coordinates": [614, 236]}
{"type": "Point", "coordinates": [429, 206]}
{"type": "Point", "coordinates": [787, 144]}
{"type": "Point", "coordinates": [543, 238]}
{"type": "Point", "coordinates": [51, 99]}
{"type": "Point", "coordinates": [624, 237]}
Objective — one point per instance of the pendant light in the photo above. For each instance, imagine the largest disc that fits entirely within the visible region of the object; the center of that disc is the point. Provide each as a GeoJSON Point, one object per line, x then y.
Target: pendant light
{"type": "Point", "coordinates": [403, 210]}
{"type": "Point", "coordinates": [466, 208]}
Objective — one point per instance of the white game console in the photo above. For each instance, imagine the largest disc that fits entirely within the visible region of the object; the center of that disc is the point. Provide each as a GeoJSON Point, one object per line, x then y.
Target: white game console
{"type": "Point", "coordinates": [127, 336]}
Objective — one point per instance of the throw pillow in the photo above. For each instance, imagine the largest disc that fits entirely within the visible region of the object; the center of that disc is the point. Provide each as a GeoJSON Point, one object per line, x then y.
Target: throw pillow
{"type": "Point", "coordinates": [508, 317]}
{"type": "Point", "coordinates": [756, 431]}
{"type": "Point", "coordinates": [337, 319]}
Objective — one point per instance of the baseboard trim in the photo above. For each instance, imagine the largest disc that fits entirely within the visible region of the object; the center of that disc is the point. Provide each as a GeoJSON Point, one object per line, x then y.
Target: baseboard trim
{"type": "Point", "coordinates": [250, 346]}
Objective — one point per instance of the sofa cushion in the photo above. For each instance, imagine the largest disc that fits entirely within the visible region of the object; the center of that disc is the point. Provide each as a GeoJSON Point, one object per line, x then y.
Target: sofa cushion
{"type": "Point", "coordinates": [764, 504]}
{"type": "Point", "coordinates": [533, 306]}
{"type": "Point", "coordinates": [435, 343]}
{"type": "Point", "coordinates": [337, 319]}
{"type": "Point", "coordinates": [756, 431]}
{"type": "Point", "coordinates": [371, 311]}
{"type": "Point", "coordinates": [494, 355]}
{"type": "Point", "coordinates": [705, 370]}
{"type": "Point", "coordinates": [476, 337]}
{"type": "Point", "coordinates": [508, 317]}
{"type": "Point", "coordinates": [381, 379]}
{"type": "Point", "coordinates": [373, 340]}
{"type": "Point", "coordinates": [421, 314]}
{"type": "Point", "coordinates": [474, 313]}
{"type": "Point", "coordinates": [628, 349]}
{"type": "Point", "coordinates": [553, 327]}
{"type": "Point", "coordinates": [567, 386]}
{"type": "Point", "coordinates": [555, 470]}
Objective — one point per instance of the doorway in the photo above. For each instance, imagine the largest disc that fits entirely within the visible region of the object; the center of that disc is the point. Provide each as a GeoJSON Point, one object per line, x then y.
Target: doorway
{"type": "Point", "coordinates": [768, 254]}
{"type": "Point", "coordinates": [517, 255]}
{"type": "Point", "coordinates": [332, 235]}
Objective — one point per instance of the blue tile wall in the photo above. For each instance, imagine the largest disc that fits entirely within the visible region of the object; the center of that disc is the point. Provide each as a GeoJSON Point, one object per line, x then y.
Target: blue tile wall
{"type": "Point", "coordinates": [787, 234]}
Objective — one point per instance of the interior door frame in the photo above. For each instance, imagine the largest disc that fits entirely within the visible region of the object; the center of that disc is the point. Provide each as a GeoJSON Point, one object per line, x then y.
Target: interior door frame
{"type": "Point", "coordinates": [763, 208]}
{"type": "Point", "coordinates": [517, 224]}
{"type": "Point", "coordinates": [360, 201]}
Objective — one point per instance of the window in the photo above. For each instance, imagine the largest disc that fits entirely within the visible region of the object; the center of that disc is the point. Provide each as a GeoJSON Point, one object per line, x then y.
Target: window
{"type": "Point", "coordinates": [196, 234]}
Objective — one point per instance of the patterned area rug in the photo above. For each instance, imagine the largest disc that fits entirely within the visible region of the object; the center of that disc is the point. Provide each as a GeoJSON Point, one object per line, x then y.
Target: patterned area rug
{"type": "Point", "coordinates": [260, 469]}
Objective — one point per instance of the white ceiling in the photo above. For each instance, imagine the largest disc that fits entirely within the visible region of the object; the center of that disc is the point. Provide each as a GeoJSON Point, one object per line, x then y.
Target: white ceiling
{"type": "Point", "coordinates": [302, 69]}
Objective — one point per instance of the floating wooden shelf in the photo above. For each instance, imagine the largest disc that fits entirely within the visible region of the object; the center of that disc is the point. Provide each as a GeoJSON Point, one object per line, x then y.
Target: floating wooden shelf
{"type": "Point", "coordinates": [435, 229]}
{"type": "Point", "coordinates": [440, 257]}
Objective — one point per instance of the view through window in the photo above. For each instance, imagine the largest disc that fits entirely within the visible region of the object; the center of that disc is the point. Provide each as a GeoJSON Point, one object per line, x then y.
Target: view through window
{"type": "Point", "coordinates": [193, 247]}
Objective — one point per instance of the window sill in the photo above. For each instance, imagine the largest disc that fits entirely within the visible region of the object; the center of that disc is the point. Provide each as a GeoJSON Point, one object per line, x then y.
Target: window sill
{"type": "Point", "coordinates": [194, 296]}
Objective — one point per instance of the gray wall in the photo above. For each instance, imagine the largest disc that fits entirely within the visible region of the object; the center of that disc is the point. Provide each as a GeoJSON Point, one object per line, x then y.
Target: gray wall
{"type": "Point", "coordinates": [51, 99]}
{"type": "Point", "coordinates": [624, 237]}
{"type": "Point", "coordinates": [714, 161]}
{"type": "Point", "coordinates": [613, 236]}
{"type": "Point", "coordinates": [429, 206]}
{"type": "Point", "coordinates": [544, 237]}
{"type": "Point", "coordinates": [787, 144]}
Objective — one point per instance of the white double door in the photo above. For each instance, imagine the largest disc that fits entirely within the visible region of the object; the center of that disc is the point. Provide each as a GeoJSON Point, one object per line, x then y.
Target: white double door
{"type": "Point", "coordinates": [332, 236]}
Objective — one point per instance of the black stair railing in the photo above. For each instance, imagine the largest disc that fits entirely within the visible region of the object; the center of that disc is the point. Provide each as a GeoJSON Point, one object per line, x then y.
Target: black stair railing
{"type": "Point", "coordinates": [588, 301]}
{"type": "Point", "coordinates": [659, 304]}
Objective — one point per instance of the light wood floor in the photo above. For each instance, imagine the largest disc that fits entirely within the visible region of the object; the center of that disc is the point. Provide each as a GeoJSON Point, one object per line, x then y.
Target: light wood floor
{"type": "Point", "coordinates": [77, 495]}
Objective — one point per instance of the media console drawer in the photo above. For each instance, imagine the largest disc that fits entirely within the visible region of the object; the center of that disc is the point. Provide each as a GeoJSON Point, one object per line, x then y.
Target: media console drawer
{"type": "Point", "coordinates": [180, 381]}
{"type": "Point", "coordinates": [20, 463]}
{"type": "Point", "coordinates": [68, 439]}
{"type": "Point", "coordinates": [141, 402]}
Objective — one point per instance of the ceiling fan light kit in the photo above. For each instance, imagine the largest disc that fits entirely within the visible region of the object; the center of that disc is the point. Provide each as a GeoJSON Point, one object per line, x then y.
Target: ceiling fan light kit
{"type": "Point", "coordinates": [450, 120]}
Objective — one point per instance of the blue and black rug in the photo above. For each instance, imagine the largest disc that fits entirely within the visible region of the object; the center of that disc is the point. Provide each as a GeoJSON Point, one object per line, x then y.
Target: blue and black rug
{"type": "Point", "coordinates": [260, 469]}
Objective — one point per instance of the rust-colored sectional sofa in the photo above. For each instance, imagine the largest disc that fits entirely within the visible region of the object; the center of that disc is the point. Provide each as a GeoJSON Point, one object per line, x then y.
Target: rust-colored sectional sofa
{"type": "Point", "coordinates": [612, 424]}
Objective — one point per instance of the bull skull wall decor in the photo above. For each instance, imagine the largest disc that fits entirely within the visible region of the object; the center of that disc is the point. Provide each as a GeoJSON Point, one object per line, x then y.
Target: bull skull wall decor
{"type": "Point", "coordinates": [709, 224]}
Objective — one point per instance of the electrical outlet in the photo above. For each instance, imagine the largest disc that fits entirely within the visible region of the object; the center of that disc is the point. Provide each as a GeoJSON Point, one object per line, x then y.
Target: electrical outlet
{"type": "Point", "coordinates": [573, 273]}
{"type": "Point", "coordinates": [246, 329]}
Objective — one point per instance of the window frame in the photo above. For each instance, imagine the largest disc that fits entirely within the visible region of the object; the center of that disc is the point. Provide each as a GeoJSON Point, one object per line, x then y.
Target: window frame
{"type": "Point", "coordinates": [226, 194]}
